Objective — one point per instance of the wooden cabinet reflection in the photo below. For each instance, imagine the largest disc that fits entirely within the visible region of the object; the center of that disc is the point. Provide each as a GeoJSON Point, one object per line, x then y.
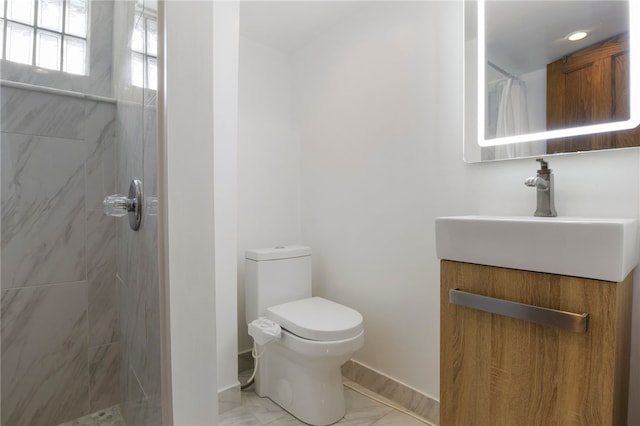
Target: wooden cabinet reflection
{"type": "Point", "coordinates": [591, 86]}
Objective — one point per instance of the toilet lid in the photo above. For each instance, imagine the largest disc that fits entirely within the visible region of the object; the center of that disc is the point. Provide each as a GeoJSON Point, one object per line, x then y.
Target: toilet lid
{"type": "Point", "coordinates": [316, 318]}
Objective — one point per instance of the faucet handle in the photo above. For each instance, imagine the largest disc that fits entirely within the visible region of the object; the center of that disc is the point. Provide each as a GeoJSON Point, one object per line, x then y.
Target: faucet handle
{"type": "Point", "coordinates": [543, 164]}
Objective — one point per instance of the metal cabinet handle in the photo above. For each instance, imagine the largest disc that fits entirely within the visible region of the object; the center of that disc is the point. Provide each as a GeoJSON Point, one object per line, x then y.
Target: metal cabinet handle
{"type": "Point", "coordinates": [544, 316]}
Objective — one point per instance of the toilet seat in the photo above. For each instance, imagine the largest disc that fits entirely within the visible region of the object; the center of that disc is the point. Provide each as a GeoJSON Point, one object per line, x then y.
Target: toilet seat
{"type": "Point", "coordinates": [317, 319]}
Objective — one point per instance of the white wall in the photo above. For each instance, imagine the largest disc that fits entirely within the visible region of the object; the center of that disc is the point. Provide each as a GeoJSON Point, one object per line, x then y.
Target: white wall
{"type": "Point", "coordinates": [378, 103]}
{"type": "Point", "coordinates": [536, 83]}
{"type": "Point", "coordinates": [225, 146]}
{"type": "Point", "coordinates": [268, 160]}
{"type": "Point", "coordinates": [188, 135]}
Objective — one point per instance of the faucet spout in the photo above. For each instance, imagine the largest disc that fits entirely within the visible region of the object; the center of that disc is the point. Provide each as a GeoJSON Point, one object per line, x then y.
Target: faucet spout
{"type": "Point", "coordinates": [538, 182]}
{"type": "Point", "coordinates": [543, 182]}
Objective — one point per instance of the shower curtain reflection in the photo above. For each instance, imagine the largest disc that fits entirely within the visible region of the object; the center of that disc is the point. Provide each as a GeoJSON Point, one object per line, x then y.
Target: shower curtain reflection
{"type": "Point", "coordinates": [507, 115]}
{"type": "Point", "coordinates": [509, 98]}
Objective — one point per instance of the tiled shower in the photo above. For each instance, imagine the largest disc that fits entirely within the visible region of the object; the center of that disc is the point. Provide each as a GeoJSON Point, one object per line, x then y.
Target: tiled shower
{"type": "Point", "coordinates": [79, 307]}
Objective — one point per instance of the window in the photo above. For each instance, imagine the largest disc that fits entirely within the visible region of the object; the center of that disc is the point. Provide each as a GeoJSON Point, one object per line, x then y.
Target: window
{"type": "Point", "coordinates": [144, 52]}
{"type": "Point", "coordinates": [50, 34]}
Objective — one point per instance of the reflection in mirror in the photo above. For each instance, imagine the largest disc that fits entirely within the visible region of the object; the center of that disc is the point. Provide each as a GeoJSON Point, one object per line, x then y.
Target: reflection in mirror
{"type": "Point", "coordinates": [530, 89]}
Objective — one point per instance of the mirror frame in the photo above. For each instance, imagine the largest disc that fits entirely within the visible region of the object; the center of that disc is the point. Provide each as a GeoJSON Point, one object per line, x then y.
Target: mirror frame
{"type": "Point", "coordinates": [634, 83]}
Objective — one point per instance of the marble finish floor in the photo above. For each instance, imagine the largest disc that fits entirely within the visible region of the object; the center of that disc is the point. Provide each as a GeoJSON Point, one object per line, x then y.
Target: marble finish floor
{"type": "Point", "coordinates": [107, 417]}
{"type": "Point", "coordinates": [361, 410]}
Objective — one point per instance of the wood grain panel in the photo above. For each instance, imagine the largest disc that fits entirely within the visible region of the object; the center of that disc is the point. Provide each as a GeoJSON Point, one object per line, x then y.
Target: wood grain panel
{"type": "Point", "coordinates": [622, 102]}
{"type": "Point", "coordinates": [502, 371]}
{"type": "Point", "coordinates": [587, 87]}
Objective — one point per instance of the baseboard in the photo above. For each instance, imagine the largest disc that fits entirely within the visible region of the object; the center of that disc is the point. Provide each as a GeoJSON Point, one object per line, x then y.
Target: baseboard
{"type": "Point", "coordinates": [410, 399]}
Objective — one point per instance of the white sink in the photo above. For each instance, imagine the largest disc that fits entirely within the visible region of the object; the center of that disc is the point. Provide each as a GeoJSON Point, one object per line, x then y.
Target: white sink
{"type": "Point", "coordinates": [603, 249]}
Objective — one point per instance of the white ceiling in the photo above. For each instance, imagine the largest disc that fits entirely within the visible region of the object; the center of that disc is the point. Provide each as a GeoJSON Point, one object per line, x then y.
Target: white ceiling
{"type": "Point", "coordinates": [523, 36]}
{"type": "Point", "coordinates": [288, 25]}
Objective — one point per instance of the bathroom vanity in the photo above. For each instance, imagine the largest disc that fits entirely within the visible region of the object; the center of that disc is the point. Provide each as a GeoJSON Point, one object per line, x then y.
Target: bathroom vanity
{"type": "Point", "coordinates": [523, 345]}
{"type": "Point", "coordinates": [497, 370]}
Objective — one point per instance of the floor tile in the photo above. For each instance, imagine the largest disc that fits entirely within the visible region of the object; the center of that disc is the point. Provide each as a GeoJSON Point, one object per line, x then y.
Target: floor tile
{"type": "Point", "coordinates": [239, 416]}
{"type": "Point", "coordinates": [396, 418]}
{"type": "Point", "coordinates": [361, 411]}
{"type": "Point", "coordinates": [263, 409]}
{"type": "Point", "coordinates": [108, 417]}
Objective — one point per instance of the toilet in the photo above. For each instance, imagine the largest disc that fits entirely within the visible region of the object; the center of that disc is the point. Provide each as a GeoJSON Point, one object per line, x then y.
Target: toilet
{"type": "Point", "coordinates": [300, 371]}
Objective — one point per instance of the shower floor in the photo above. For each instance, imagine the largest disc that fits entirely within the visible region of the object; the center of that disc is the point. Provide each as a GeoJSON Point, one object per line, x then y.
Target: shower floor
{"type": "Point", "coordinates": [107, 417]}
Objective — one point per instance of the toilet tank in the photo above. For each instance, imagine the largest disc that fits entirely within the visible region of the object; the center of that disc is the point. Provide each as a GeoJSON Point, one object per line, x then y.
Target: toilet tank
{"type": "Point", "coordinates": [275, 275]}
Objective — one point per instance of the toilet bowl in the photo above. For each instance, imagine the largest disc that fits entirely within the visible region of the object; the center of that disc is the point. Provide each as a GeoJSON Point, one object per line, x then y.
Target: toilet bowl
{"type": "Point", "coordinates": [300, 371]}
{"type": "Point", "coordinates": [303, 376]}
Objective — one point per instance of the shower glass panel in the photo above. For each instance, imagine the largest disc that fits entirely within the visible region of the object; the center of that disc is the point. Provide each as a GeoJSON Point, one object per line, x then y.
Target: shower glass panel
{"type": "Point", "coordinates": [79, 309]}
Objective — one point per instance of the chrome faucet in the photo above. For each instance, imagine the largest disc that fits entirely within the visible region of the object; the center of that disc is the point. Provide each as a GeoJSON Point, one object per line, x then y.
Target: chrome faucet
{"type": "Point", "coordinates": [543, 182]}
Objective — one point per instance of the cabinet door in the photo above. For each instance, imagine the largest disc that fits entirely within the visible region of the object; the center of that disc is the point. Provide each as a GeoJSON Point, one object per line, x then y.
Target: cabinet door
{"type": "Point", "coordinates": [498, 371]}
{"type": "Point", "coordinates": [590, 87]}
{"type": "Point", "coordinates": [622, 102]}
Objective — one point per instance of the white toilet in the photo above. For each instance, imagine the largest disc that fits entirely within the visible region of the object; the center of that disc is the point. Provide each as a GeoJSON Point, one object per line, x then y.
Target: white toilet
{"type": "Point", "coordinates": [300, 371]}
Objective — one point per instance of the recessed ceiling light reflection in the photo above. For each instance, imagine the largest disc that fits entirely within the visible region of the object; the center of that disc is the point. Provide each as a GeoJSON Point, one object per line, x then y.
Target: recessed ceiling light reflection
{"type": "Point", "coordinates": [576, 35]}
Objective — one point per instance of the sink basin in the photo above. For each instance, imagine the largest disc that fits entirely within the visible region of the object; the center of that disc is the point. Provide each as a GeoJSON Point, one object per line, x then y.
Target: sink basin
{"type": "Point", "coordinates": [603, 249]}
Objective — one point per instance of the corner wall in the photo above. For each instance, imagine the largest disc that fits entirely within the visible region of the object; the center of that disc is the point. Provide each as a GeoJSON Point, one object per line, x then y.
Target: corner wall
{"type": "Point", "coordinates": [268, 160]}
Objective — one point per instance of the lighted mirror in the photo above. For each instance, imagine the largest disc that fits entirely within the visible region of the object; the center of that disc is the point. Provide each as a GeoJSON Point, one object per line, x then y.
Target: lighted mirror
{"type": "Point", "coordinates": [545, 77]}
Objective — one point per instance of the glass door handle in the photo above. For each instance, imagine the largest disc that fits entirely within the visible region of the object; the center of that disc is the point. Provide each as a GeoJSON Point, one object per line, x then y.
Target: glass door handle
{"type": "Point", "coordinates": [116, 205]}
{"type": "Point", "coordinates": [120, 205]}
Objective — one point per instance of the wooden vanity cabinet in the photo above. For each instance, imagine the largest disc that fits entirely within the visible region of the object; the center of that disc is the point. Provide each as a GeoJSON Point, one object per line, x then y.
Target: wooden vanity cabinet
{"type": "Point", "coordinates": [500, 371]}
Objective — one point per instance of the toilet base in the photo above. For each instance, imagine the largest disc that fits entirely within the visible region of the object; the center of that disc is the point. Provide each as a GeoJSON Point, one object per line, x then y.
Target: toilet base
{"type": "Point", "coordinates": [309, 389]}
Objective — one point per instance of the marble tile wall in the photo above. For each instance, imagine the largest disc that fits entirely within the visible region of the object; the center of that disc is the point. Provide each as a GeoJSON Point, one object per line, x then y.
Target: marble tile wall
{"type": "Point", "coordinates": [60, 343]}
{"type": "Point", "coordinates": [137, 252]}
{"type": "Point", "coordinates": [60, 157]}
{"type": "Point", "coordinates": [137, 266]}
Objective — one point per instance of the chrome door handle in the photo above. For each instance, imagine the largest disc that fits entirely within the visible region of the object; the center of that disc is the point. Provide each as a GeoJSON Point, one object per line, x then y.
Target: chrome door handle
{"type": "Point", "coordinates": [536, 314]}
{"type": "Point", "coordinates": [119, 205]}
